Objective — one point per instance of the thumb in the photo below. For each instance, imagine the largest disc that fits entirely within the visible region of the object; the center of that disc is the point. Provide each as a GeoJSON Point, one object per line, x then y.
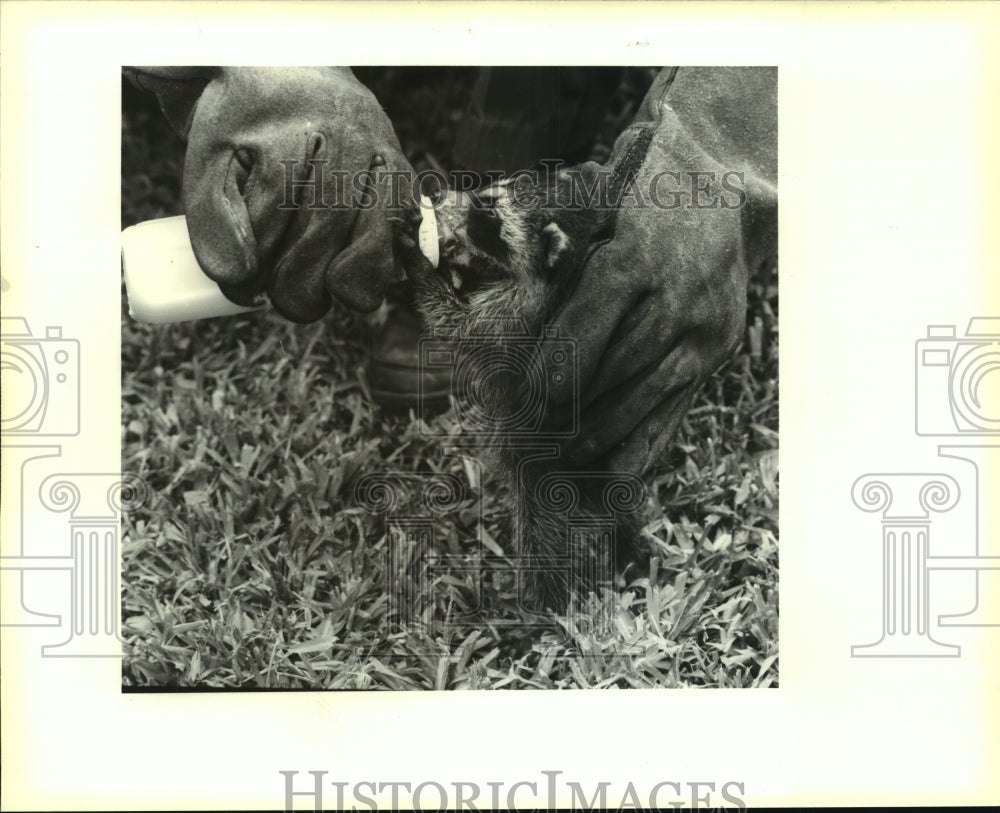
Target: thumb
{"type": "Point", "coordinates": [217, 216]}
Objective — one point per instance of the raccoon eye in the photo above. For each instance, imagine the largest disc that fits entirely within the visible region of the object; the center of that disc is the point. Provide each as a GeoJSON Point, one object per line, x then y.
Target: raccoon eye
{"type": "Point", "coordinates": [484, 228]}
{"type": "Point", "coordinates": [487, 207]}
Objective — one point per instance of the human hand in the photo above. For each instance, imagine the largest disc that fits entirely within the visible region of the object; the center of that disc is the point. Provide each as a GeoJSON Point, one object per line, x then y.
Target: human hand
{"type": "Point", "coordinates": [257, 141]}
{"type": "Point", "coordinates": [661, 303]}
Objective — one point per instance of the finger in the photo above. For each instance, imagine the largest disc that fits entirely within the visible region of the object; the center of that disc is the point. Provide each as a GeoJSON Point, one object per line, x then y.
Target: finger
{"type": "Point", "coordinates": [641, 415]}
{"type": "Point", "coordinates": [665, 274]}
{"type": "Point", "coordinates": [651, 436]}
{"type": "Point", "coordinates": [360, 274]}
{"type": "Point", "coordinates": [599, 318]}
{"type": "Point", "coordinates": [218, 221]}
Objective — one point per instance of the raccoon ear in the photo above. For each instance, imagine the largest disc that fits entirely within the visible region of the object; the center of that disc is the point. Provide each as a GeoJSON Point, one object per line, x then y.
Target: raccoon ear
{"type": "Point", "coordinates": [555, 242]}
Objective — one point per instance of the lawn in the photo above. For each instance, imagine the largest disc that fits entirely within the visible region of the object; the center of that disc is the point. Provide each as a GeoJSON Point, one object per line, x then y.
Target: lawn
{"type": "Point", "coordinates": [251, 564]}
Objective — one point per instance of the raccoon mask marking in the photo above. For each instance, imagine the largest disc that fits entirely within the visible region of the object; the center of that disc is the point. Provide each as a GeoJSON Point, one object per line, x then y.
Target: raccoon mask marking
{"type": "Point", "coordinates": [507, 252]}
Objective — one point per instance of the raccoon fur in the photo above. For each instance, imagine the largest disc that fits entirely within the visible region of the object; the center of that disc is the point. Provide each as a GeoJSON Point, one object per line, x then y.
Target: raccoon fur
{"type": "Point", "coordinates": [510, 254]}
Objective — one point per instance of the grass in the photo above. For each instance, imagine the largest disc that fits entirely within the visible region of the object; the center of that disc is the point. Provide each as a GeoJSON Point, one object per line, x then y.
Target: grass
{"type": "Point", "coordinates": [252, 565]}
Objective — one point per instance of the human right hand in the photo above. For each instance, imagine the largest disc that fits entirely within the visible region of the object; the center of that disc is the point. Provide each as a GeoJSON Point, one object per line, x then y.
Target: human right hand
{"type": "Point", "coordinates": [257, 141]}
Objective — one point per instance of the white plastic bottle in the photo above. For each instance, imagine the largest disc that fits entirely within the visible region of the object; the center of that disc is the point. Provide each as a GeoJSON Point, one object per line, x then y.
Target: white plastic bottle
{"type": "Point", "coordinates": [166, 284]}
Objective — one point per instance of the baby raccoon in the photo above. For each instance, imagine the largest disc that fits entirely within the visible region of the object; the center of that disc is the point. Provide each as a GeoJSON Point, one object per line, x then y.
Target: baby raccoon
{"type": "Point", "coordinates": [510, 254]}
{"type": "Point", "coordinates": [510, 250]}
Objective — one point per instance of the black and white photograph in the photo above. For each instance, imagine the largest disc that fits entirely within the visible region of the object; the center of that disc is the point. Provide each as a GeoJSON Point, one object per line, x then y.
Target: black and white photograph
{"type": "Point", "coordinates": [359, 359]}
{"type": "Point", "coordinates": [478, 388]}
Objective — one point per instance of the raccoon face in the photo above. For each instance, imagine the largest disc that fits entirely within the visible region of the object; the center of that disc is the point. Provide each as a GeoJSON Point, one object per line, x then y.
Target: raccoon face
{"type": "Point", "coordinates": [497, 237]}
{"type": "Point", "coordinates": [482, 240]}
